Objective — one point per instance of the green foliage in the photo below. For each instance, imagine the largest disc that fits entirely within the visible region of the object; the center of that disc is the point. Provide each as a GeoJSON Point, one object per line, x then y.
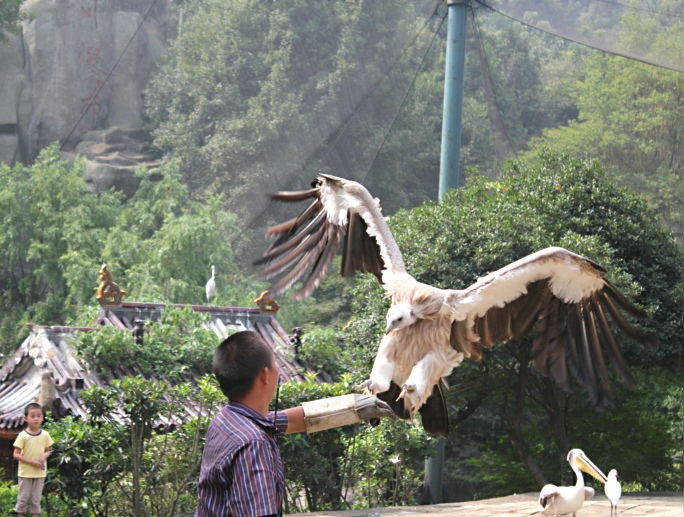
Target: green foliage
{"type": "Point", "coordinates": [172, 348]}
{"type": "Point", "coordinates": [48, 217]}
{"type": "Point", "coordinates": [350, 467]}
{"type": "Point", "coordinates": [8, 496]}
{"type": "Point", "coordinates": [112, 463]}
{"type": "Point", "coordinates": [630, 117]}
{"type": "Point", "coordinates": [10, 14]}
{"type": "Point", "coordinates": [159, 244]}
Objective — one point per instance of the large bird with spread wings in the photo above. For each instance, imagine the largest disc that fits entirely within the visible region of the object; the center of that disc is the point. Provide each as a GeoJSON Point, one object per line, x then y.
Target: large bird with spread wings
{"type": "Point", "coordinates": [429, 330]}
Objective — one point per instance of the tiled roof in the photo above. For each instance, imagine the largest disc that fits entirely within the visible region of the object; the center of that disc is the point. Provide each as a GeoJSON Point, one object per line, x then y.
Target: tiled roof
{"type": "Point", "coordinates": [47, 349]}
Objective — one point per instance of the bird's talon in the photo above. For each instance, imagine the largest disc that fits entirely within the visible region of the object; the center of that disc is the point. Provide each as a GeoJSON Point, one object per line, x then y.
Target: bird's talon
{"type": "Point", "coordinates": [365, 385]}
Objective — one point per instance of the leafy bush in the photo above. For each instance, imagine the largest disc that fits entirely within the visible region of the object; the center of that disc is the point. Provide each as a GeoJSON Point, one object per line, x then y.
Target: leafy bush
{"type": "Point", "coordinates": [172, 348]}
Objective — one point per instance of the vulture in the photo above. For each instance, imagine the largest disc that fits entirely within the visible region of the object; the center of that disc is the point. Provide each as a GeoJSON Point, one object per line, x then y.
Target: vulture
{"type": "Point", "coordinates": [429, 330]}
{"type": "Point", "coordinates": [561, 500]}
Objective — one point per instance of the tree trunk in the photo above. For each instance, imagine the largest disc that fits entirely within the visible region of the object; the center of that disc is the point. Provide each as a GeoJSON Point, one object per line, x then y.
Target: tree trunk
{"type": "Point", "coordinates": [514, 422]}
{"type": "Point", "coordinates": [557, 420]}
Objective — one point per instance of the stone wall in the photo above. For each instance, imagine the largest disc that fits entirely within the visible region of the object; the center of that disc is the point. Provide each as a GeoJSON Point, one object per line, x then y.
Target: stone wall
{"type": "Point", "coordinates": [52, 70]}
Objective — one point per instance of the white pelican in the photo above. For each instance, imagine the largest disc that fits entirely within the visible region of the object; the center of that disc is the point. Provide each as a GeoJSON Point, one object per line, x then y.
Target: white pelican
{"type": "Point", "coordinates": [561, 500]}
{"type": "Point", "coordinates": [211, 286]}
{"type": "Point", "coordinates": [430, 330]}
{"type": "Point", "coordinates": [613, 490]}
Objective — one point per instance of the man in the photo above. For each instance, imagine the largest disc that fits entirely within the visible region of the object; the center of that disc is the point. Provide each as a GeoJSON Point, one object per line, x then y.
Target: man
{"type": "Point", "coordinates": [242, 471]}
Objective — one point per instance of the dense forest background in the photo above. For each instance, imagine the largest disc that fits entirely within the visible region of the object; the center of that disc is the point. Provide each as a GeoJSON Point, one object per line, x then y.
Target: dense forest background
{"type": "Point", "coordinates": [561, 145]}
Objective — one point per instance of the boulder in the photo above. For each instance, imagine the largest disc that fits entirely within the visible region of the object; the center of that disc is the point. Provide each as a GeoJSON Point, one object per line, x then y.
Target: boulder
{"type": "Point", "coordinates": [112, 156]}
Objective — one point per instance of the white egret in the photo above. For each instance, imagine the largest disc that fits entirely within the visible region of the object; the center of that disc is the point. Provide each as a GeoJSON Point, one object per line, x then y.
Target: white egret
{"type": "Point", "coordinates": [613, 490]}
{"type": "Point", "coordinates": [211, 286]}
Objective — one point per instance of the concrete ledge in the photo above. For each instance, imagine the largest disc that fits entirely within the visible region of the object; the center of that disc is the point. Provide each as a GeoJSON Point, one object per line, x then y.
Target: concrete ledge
{"type": "Point", "coordinates": [655, 504]}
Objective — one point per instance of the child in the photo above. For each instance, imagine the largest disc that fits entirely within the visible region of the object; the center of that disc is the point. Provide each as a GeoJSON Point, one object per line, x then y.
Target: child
{"type": "Point", "coordinates": [31, 450]}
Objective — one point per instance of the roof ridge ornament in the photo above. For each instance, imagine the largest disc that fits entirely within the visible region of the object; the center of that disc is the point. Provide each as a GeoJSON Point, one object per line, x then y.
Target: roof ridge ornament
{"type": "Point", "coordinates": [266, 303]}
{"type": "Point", "coordinates": [109, 294]}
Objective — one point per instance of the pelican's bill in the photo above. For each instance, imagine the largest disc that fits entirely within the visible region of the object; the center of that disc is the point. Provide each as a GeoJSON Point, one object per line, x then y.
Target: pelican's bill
{"type": "Point", "coordinates": [588, 466]}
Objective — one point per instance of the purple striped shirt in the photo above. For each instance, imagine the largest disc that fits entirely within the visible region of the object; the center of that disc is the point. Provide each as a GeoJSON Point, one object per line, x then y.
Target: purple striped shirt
{"type": "Point", "coordinates": [242, 471]}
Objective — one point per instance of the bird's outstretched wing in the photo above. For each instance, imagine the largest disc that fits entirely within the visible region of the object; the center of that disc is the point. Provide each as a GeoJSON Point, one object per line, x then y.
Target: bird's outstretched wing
{"type": "Point", "coordinates": [306, 245]}
{"type": "Point", "coordinates": [568, 299]}
{"type": "Point", "coordinates": [548, 495]}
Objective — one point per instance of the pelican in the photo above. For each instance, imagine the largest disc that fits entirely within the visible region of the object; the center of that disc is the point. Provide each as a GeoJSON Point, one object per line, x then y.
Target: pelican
{"type": "Point", "coordinates": [211, 286]}
{"type": "Point", "coordinates": [561, 500]}
{"type": "Point", "coordinates": [430, 330]}
{"type": "Point", "coordinates": [613, 490]}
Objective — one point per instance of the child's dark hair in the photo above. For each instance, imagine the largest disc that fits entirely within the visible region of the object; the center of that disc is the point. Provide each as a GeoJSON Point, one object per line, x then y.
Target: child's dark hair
{"type": "Point", "coordinates": [238, 360]}
{"type": "Point", "coordinates": [32, 405]}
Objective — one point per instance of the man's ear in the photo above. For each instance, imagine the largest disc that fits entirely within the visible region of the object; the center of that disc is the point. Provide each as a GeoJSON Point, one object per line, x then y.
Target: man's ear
{"type": "Point", "coordinates": [263, 375]}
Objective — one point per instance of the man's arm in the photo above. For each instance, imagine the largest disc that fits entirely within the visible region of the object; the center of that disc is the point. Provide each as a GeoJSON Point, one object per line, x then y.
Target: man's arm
{"type": "Point", "coordinates": [318, 415]}
{"type": "Point", "coordinates": [295, 420]}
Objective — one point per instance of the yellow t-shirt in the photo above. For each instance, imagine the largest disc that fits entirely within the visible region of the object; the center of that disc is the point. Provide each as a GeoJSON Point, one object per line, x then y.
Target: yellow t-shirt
{"type": "Point", "coordinates": [32, 446]}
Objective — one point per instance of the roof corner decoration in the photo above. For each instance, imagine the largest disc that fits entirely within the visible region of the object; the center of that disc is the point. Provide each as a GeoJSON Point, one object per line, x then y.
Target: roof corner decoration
{"type": "Point", "coordinates": [109, 294]}
{"type": "Point", "coordinates": [267, 304]}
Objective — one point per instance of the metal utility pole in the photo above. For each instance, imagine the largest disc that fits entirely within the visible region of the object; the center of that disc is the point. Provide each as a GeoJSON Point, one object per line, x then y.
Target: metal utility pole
{"type": "Point", "coordinates": [453, 95]}
{"type": "Point", "coordinates": [449, 179]}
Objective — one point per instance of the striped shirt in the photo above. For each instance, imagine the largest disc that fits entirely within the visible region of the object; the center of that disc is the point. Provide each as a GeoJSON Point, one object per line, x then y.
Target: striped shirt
{"type": "Point", "coordinates": [242, 471]}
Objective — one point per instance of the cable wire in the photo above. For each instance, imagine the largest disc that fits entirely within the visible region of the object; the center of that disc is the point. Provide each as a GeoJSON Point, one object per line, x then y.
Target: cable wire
{"type": "Point", "coordinates": [642, 9]}
{"type": "Point", "coordinates": [566, 38]}
{"type": "Point", "coordinates": [94, 97]}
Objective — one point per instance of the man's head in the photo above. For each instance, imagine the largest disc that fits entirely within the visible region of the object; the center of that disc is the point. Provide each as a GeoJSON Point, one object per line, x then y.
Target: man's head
{"type": "Point", "coordinates": [33, 414]}
{"type": "Point", "coordinates": [239, 360]}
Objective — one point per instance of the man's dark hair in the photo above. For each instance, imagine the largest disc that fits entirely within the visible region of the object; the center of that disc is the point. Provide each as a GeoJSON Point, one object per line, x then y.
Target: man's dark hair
{"type": "Point", "coordinates": [32, 405]}
{"type": "Point", "coordinates": [238, 360]}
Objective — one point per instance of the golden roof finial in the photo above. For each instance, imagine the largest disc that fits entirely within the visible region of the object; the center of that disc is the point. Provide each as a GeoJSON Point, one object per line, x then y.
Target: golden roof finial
{"type": "Point", "coordinates": [109, 294]}
{"type": "Point", "coordinates": [267, 304]}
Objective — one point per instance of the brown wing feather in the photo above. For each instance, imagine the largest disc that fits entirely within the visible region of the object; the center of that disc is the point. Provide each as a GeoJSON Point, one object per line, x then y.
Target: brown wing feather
{"type": "Point", "coordinates": [361, 251]}
{"type": "Point", "coordinates": [306, 245]}
{"type": "Point", "coordinates": [434, 415]}
{"type": "Point", "coordinates": [572, 339]}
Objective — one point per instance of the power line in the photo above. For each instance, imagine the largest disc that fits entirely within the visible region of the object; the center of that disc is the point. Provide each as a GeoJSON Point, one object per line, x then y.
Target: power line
{"type": "Point", "coordinates": [642, 9]}
{"type": "Point", "coordinates": [566, 38]}
{"type": "Point", "coordinates": [94, 97]}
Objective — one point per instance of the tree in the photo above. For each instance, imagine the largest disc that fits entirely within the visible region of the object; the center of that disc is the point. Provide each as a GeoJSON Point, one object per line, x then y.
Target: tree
{"type": "Point", "coordinates": [630, 118]}
{"type": "Point", "coordinates": [120, 461]}
{"type": "Point", "coordinates": [560, 201]}
{"type": "Point", "coordinates": [10, 14]}
{"type": "Point", "coordinates": [160, 244]}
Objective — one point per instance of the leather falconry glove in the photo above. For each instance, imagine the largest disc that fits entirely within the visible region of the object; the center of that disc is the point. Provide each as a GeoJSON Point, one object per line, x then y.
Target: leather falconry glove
{"type": "Point", "coordinates": [323, 414]}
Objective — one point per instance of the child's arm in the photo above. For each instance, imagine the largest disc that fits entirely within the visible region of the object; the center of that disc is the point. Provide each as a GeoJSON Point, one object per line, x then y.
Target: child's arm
{"type": "Point", "coordinates": [44, 457]}
{"type": "Point", "coordinates": [19, 457]}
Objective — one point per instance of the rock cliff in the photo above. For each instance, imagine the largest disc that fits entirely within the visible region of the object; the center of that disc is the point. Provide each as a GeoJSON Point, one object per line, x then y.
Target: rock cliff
{"type": "Point", "coordinates": [76, 74]}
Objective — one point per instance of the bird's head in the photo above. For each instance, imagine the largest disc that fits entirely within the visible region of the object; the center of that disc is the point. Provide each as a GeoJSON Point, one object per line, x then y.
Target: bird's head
{"type": "Point", "coordinates": [577, 458]}
{"type": "Point", "coordinates": [399, 316]}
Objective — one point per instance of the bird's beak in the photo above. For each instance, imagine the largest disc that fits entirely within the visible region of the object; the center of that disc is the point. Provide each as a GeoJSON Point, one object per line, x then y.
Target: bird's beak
{"type": "Point", "coordinates": [587, 466]}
